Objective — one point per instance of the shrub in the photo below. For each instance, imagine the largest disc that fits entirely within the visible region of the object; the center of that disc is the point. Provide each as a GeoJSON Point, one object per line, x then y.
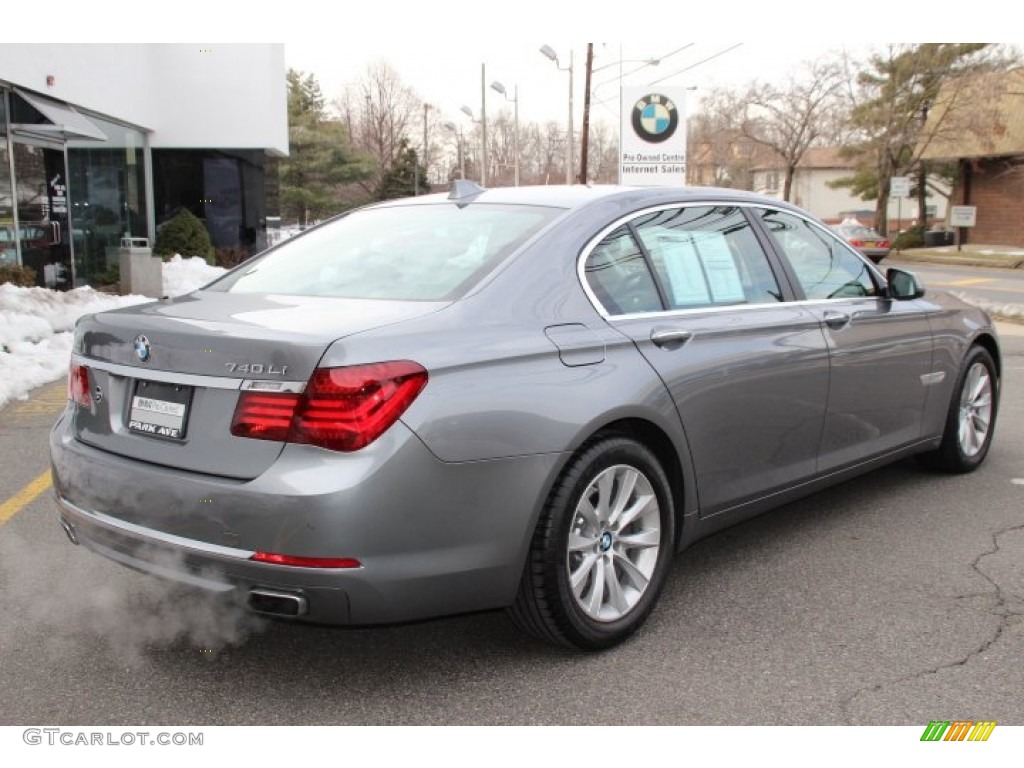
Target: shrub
{"type": "Point", "coordinates": [231, 256]}
{"type": "Point", "coordinates": [186, 235]}
{"type": "Point", "coordinates": [15, 275]}
{"type": "Point", "coordinates": [910, 238]}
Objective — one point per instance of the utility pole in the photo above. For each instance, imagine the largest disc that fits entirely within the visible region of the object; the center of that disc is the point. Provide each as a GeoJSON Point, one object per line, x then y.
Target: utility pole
{"type": "Point", "coordinates": [586, 116]}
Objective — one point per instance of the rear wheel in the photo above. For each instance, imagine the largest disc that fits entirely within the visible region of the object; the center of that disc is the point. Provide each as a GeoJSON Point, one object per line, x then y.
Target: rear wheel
{"type": "Point", "coordinates": [602, 548]}
{"type": "Point", "coordinates": [971, 419]}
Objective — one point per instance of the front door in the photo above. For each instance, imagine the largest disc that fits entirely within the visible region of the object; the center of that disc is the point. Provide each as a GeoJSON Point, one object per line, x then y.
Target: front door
{"type": "Point", "coordinates": [44, 235]}
{"type": "Point", "coordinates": [880, 349]}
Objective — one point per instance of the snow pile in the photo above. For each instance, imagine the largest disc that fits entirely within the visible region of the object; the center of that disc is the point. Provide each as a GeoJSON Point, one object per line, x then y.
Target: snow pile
{"type": "Point", "coordinates": [184, 275]}
{"type": "Point", "coordinates": [35, 333]}
{"type": "Point", "coordinates": [36, 324]}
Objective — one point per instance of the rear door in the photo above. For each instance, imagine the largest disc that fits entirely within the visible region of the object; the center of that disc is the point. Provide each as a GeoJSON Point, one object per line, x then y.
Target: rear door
{"type": "Point", "coordinates": [748, 371]}
{"type": "Point", "coordinates": [880, 349]}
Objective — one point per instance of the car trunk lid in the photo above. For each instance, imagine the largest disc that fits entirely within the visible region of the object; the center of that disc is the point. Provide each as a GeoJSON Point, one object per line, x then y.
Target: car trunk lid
{"type": "Point", "coordinates": [164, 378]}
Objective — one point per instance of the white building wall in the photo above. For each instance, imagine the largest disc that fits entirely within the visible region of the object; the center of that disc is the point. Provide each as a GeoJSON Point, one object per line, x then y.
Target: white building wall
{"type": "Point", "coordinates": [202, 95]}
{"type": "Point", "coordinates": [811, 192]}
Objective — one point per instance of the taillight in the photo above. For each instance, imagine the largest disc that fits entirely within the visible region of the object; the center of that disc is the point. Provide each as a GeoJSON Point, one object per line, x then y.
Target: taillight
{"type": "Point", "coordinates": [78, 385]}
{"type": "Point", "coordinates": [264, 416]}
{"type": "Point", "coordinates": [342, 409]}
{"type": "Point", "coordinates": [883, 244]}
{"type": "Point", "coordinates": [856, 243]}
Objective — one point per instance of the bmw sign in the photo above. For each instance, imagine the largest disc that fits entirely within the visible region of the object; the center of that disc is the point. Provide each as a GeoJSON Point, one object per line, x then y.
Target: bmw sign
{"type": "Point", "coordinates": [655, 118]}
{"type": "Point", "coordinates": [653, 137]}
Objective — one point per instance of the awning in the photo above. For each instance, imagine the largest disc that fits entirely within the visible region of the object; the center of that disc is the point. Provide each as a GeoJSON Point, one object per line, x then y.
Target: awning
{"type": "Point", "coordinates": [65, 121]}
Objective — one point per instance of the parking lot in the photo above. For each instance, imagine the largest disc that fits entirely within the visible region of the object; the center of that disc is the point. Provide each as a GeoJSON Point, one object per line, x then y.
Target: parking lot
{"type": "Point", "coordinates": [894, 599]}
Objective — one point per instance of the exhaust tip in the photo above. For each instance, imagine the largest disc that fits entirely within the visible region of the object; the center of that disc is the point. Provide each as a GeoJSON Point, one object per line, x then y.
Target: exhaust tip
{"type": "Point", "coordinates": [274, 603]}
{"type": "Point", "coordinates": [69, 529]}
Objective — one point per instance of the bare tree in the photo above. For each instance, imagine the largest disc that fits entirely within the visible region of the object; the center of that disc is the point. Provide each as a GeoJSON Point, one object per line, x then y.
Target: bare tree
{"type": "Point", "coordinates": [379, 111]}
{"type": "Point", "coordinates": [791, 118]}
{"type": "Point", "coordinates": [718, 154]}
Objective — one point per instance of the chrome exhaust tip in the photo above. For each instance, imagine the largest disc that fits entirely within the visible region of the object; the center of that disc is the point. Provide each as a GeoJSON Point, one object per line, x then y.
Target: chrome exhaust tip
{"type": "Point", "coordinates": [69, 529]}
{"type": "Point", "coordinates": [274, 603]}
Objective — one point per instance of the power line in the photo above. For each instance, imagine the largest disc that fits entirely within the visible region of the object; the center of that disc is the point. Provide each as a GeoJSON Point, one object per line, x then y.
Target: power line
{"type": "Point", "coordinates": [702, 61]}
{"type": "Point", "coordinates": [659, 59]}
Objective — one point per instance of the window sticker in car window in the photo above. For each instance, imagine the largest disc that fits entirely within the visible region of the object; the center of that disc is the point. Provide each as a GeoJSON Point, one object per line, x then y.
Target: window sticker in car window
{"type": "Point", "coordinates": [720, 267]}
{"type": "Point", "coordinates": [686, 277]}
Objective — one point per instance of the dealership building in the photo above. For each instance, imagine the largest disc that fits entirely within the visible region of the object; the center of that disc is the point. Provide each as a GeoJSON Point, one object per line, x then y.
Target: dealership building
{"type": "Point", "coordinates": [101, 142]}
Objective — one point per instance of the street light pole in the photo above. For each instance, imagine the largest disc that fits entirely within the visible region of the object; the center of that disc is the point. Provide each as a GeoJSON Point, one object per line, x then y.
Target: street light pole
{"type": "Point", "coordinates": [548, 51]}
{"type": "Point", "coordinates": [515, 136]}
{"type": "Point", "coordinates": [458, 144]}
{"type": "Point", "coordinates": [483, 162]}
{"type": "Point", "coordinates": [571, 153]}
{"type": "Point", "coordinates": [483, 124]}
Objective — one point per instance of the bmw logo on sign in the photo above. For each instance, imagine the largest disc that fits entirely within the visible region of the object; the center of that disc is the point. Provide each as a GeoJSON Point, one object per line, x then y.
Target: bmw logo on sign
{"type": "Point", "coordinates": [655, 118]}
{"type": "Point", "coordinates": [142, 348]}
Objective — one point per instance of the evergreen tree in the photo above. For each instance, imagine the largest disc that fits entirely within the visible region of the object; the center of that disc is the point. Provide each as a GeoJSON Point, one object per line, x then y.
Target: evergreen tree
{"type": "Point", "coordinates": [321, 159]}
{"type": "Point", "coordinates": [897, 88]}
{"type": "Point", "coordinates": [401, 178]}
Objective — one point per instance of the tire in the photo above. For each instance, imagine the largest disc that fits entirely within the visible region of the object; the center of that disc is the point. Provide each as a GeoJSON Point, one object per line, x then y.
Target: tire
{"type": "Point", "coordinates": [593, 574]}
{"type": "Point", "coordinates": [971, 419]}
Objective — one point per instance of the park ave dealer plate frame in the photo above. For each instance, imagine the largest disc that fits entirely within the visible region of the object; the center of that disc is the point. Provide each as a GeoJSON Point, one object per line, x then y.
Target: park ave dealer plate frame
{"type": "Point", "coordinates": [160, 409]}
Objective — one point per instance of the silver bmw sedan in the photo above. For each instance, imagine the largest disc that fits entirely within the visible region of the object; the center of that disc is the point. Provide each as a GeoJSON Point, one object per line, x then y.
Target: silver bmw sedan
{"type": "Point", "coordinates": [526, 398]}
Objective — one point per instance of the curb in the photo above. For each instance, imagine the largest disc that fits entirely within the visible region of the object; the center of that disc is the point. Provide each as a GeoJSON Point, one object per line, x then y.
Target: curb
{"type": "Point", "coordinates": [963, 259]}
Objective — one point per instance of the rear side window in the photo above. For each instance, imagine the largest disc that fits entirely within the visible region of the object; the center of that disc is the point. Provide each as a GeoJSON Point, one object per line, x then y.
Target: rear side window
{"type": "Point", "coordinates": [681, 258]}
{"type": "Point", "coordinates": [824, 266]}
{"type": "Point", "coordinates": [414, 253]}
{"type": "Point", "coordinates": [618, 275]}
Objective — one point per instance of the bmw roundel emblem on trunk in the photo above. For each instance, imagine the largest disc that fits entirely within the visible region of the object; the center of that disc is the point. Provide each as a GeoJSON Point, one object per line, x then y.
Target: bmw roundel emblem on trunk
{"type": "Point", "coordinates": [142, 350]}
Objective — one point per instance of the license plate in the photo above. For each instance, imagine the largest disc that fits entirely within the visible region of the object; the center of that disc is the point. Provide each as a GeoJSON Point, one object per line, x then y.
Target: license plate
{"type": "Point", "coordinates": [159, 409]}
{"type": "Point", "coordinates": [870, 244]}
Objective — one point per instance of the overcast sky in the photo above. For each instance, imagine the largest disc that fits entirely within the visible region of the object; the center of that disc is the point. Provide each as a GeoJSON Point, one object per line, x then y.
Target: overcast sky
{"type": "Point", "coordinates": [438, 46]}
{"type": "Point", "coordinates": [447, 79]}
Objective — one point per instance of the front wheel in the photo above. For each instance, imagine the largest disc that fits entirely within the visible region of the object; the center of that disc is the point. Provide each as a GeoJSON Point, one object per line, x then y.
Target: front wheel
{"type": "Point", "coordinates": [601, 550]}
{"type": "Point", "coordinates": [971, 419]}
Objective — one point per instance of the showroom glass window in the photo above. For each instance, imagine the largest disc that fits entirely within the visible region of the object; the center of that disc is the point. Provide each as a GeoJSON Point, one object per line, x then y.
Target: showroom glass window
{"type": "Point", "coordinates": [8, 244]}
{"type": "Point", "coordinates": [824, 266]}
{"type": "Point", "coordinates": [107, 196]}
{"type": "Point", "coordinates": [681, 258]}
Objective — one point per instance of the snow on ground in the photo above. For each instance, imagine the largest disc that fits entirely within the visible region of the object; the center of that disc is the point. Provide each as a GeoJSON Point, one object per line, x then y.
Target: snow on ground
{"type": "Point", "coordinates": [36, 324]}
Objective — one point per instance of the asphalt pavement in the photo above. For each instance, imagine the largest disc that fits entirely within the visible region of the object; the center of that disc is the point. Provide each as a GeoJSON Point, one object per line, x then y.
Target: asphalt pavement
{"type": "Point", "coordinates": [894, 599]}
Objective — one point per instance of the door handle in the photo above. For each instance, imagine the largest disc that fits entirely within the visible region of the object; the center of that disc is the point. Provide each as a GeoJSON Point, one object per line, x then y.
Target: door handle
{"type": "Point", "coordinates": [836, 319]}
{"type": "Point", "coordinates": [672, 337]}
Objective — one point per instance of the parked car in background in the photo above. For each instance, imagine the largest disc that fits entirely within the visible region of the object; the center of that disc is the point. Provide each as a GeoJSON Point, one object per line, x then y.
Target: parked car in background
{"type": "Point", "coordinates": [864, 239]}
{"type": "Point", "coordinates": [526, 398]}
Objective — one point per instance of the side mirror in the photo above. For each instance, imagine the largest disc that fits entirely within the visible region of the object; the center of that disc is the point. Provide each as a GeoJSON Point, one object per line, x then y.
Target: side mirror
{"type": "Point", "coordinates": [903, 285]}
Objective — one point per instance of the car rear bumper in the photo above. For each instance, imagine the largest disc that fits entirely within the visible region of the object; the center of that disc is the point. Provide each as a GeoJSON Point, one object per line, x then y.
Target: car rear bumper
{"type": "Point", "coordinates": [431, 538]}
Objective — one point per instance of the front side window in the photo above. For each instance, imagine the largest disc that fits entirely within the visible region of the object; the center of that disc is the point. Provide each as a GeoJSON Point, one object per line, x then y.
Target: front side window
{"type": "Point", "coordinates": [824, 266]}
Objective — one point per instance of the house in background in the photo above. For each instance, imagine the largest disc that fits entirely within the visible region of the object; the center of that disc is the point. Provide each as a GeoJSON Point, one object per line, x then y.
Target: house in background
{"type": "Point", "coordinates": [984, 135]}
{"type": "Point", "coordinates": [821, 166]}
{"type": "Point", "coordinates": [104, 141]}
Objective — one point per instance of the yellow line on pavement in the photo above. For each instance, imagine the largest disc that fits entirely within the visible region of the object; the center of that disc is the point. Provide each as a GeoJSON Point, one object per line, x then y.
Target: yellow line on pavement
{"type": "Point", "coordinates": [24, 497]}
{"type": "Point", "coordinates": [973, 281]}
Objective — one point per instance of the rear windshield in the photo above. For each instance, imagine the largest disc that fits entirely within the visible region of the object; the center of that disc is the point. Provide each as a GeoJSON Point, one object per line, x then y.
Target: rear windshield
{"type": "Point", "coordinates": [415, 252]}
